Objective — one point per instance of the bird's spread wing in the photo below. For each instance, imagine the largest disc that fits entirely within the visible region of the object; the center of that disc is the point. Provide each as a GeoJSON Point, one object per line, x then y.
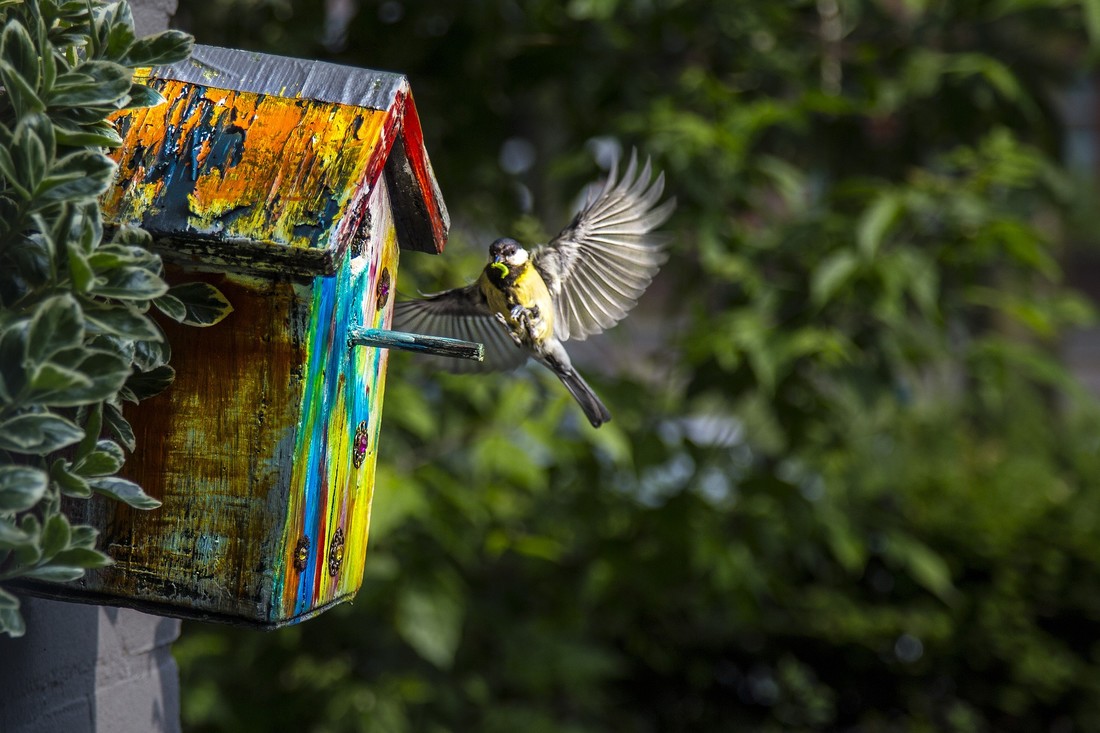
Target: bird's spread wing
{"type": "Point", "coordinates": [460, 314]}
{"type": "Point", "coordinates": [598, 266]}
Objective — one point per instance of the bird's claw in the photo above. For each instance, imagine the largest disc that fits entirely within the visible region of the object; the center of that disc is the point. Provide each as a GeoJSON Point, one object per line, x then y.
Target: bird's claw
{"type": "Point", "coordinates": [510, 328]}
{"type": "Point", "coordinates": [527, 318]}
{"type": "Point", "coordinates": [521, 324]}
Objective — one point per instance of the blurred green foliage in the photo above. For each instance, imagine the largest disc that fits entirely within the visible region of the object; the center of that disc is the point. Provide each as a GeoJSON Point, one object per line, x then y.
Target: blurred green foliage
{"type": "Point", "coordinates": [849, 484]}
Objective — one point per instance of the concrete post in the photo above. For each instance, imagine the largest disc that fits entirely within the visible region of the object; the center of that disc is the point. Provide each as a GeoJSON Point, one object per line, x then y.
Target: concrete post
{"type": "Point", "coordinates": [89, 669]}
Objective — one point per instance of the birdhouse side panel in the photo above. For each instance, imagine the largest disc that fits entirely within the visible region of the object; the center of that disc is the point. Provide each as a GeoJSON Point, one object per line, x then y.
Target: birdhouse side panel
{"type": "Point", "coordinates": [254, 181]}
{"type": "Point", "coordinates": [216, 448]}
{"type": "Point", "coordinates": [336, 447]}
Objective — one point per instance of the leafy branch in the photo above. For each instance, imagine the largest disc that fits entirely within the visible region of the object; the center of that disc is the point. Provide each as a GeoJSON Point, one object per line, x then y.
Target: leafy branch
{"type": "Point", "coordinates": [76, 336]}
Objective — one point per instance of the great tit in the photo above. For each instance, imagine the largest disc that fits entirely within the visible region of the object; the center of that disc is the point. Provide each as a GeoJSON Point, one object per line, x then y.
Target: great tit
{"type": "Point", "coordinates": [581, 282]}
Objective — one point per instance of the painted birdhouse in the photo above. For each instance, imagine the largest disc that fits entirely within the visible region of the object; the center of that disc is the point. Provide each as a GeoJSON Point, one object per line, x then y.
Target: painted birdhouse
{"type": "Point", "coordinates": [290, 185]}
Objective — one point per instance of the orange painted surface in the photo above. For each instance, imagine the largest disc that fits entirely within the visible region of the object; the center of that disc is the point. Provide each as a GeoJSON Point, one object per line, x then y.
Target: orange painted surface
{"type": "Point", "coordinates": [242, 166]}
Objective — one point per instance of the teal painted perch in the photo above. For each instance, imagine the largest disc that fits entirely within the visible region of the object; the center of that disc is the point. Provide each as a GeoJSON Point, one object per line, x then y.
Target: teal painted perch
{"type": "Point", "coordinates": [419, 343]}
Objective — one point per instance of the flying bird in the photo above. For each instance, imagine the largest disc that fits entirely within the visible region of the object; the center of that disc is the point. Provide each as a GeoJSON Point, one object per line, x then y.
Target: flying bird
{"type": "Point", "coordinates": [582, 282]}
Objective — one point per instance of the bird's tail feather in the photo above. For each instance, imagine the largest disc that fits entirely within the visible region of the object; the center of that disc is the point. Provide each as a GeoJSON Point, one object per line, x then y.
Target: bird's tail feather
{"type": "Point", "coordinates": [594, 409]}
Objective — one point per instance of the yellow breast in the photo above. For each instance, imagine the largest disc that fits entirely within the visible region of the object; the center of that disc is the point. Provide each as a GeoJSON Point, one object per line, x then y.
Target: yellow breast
{"type": "Point", "coordinates": [528, 290]}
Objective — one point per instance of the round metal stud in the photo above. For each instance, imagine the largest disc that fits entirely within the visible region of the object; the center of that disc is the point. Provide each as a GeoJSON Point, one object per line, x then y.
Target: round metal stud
{"type": "Point", "coordinates": [359, 445]}
{"type": "Point", "coordinates": [301, 553]}
{"type": "Point", "coordinates": [336, 552]}
{"type": "Point", "coordinates": [382, 290]}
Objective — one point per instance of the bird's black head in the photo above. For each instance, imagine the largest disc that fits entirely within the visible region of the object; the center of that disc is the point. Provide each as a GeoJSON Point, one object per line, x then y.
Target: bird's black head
{"type": "Point", "coordinates": [504, 249]}
{"type": "Point", "coordinates": [508, 259]}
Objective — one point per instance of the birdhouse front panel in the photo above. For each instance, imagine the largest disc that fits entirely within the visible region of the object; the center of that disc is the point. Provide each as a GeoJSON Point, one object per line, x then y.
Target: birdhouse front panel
{"type": "Point", "coordinates": [290, 186]}
{"type": "Point", "coordinates": [332, 476]}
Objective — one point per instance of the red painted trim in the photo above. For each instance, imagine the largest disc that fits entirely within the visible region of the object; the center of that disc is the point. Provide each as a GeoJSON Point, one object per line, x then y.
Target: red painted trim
{"type": "Point", "coordinates": [418, 158]}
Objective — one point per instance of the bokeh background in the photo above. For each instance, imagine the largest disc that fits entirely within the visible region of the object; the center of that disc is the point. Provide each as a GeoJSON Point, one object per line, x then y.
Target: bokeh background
{"type": "Point", "coordinates": [852, 482]}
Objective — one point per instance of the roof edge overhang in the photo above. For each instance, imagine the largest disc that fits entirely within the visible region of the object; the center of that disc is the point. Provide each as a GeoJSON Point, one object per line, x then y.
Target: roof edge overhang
{"type": "Point", "coordinates": [420, 214]}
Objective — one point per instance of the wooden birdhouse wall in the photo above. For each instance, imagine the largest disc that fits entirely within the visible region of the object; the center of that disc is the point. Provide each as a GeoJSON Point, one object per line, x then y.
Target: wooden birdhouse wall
{"type": "Point", "coordinates": [274, 402]}
{"type": "Point", "coordinates": [289, 185]}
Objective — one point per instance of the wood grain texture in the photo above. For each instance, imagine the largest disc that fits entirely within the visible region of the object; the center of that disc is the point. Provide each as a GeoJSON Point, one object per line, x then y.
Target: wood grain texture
{"type": "Point", "coordinates": [217, 449]}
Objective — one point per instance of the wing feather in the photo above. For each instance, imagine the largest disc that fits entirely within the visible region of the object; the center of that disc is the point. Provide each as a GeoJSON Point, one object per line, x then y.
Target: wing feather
{"type": "Point", "coordinates": [460, 314]}
{"type": "Point", "coordinates": [600, 264]}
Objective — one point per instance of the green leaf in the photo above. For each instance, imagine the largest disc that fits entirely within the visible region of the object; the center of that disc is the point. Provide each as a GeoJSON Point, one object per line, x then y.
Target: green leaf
{"type": "Point", "coordinates": [24, 96]}
{"type": "Point", "coordinates": [55, 535]}
{"type": "Point", "coordinates": [93, 426]}
{"type": "Point", "coordinates": [205, 304]}
{"type": "Point", "coordinates": [145, 384]}
{"type": "Point", "coordinates": [40, 124]}
{"type": "Point", "coordinates": [119, 426]}
{"type": "Point", "coordinates": [924, 565]}
{"type": "Point", "coordinates": [107, 372]}
{"type": "Point", "coordinates": [120, 319]}
{"type": "Point", "coordinates": [57, 325]}
{"type": "Point", "coordinates": [71, 484]}
{"type": "Point", "coordinates": [133, 240]}
{"type": "Point", "coordinates": [94, 83]}
{"type": "Point", "coordinates": [1092, 22]}
{"type": "Point", "coordinates": [28, 159]}
{"type": "Point", "coordinates": [17, 48]}
{"type": "Point", "coordinates": [40, 432]}
{"type": "Point", "coordinates": [151, 354]}
{"type": "Point", "coordinates": [95, 134]}
{"type": "Point", "coordinates": [12, 536]}
{"type": "Point", "coordinates": [831, 275]}
{"type": "Point", "coordinates": [876, 222]}
{"type": "Point", "coordinates": [7, 601]}
{"type": "Point", "coordinates": [106, 459]}
{"type": "Point", "coordinates": [171, 306]}
{"type": "Point", "coordinates": [21, 487]}
{"type": "Point", "coordinates": [430, 618]}
{"type": "Point", "coordinates": [31, 526]}
{"type": "Point", "coordinates": [84, 536]}
{"type": "Point", "coordinates": [142, 96]}
{"type": "Point", "coordinates": [79, 270]}
{"type": "Point", "coordinates": [167, 47]}
{"type": "Point", "coordinates": [55, 573]}
{"type": "Point", "coordinates": [13, 348]}
{"type": "Point", "coordinates": [83, 557]}
{"type": "Point", "coordinates": [58, 386]}
{"type": "Point", "coordinates": [121, 34]}
{"type": "Point", "coordinates": [125, 491]}
{"type": "Point", "coordinates": [130, 283]}
{"type": "Point", "coordinates": [31, 552]}
{"type": "Point", "coordinates": [84, 174]}
{"type": "Point", "coordinates": [11, 622]}
{"type": "Point", "coordinates": [10, 173]}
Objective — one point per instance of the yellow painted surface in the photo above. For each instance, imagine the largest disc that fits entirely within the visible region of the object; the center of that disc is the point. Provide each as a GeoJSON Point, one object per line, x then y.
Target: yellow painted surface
{"type": "Point", "coordinates": [242, 165]}
{"type": "Point", "coordinates": [343, 387]}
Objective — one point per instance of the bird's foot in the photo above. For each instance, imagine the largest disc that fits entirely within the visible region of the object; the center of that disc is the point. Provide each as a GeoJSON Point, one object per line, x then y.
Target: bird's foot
{"type": "Point", "coordinates": [510, 327]}
{"type": "Point", "coordinates": [528, 319]}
